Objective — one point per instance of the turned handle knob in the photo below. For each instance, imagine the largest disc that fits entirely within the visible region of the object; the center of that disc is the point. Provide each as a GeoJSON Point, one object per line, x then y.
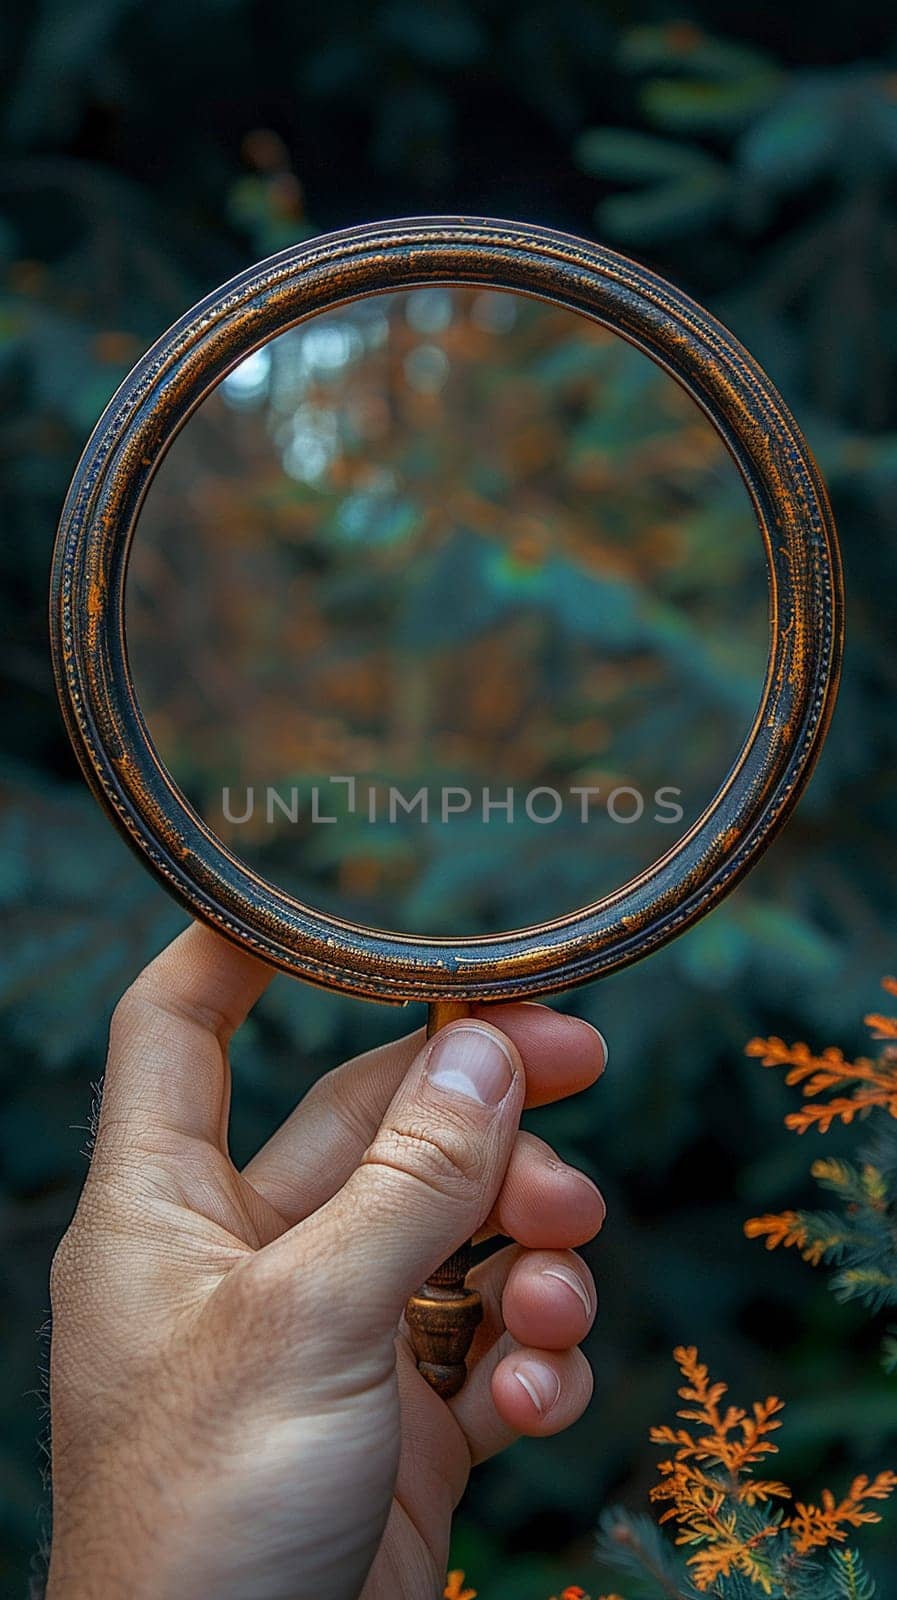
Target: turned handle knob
{"type": "Point", "coordinates": [444, 1315]}
{"type": "Point", "coordinates": [442, 1319]}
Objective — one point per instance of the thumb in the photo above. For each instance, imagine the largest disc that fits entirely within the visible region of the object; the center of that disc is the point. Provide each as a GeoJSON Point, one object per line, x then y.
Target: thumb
{"type": "Point", "coordinates": [431, 1175]}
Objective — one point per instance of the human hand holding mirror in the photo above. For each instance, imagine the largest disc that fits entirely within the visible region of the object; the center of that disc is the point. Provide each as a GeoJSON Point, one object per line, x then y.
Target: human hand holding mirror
{"type": "Point", "coordinates": [223, 341]}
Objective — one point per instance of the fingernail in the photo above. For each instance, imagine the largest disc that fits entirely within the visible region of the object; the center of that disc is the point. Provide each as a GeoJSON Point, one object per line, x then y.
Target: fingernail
{"type": "Point", "coordinates": [569, 1277]}
{"type": "Point", "coordinates": [471, 1062]}
{"type": "Point", "coordinates": [541, 1383]}
{"type": "Point", "coordinates": [603, 1043]}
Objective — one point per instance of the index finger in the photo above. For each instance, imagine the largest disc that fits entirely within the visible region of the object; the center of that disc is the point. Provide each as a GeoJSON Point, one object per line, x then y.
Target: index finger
{"type": "Point", "coordinates": [167, 1071]}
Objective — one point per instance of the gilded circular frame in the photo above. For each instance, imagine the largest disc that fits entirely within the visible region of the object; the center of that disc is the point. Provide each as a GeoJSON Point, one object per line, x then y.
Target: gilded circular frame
{"type": "Point", "coordinates": [110, 736]}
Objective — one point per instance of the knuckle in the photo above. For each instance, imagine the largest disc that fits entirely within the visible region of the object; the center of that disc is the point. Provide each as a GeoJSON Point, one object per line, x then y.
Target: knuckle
{"type": "Point", "coordinates": [123, 1013]}
{"type": "Point", "coordinates": [150, 1000]}
{"type": "Point", "coordinates": [129, 1011]}
{"type": "Point", "coordinates": [61, 1270]}
{"type": "Point", "coordinates": [68, 1265]}
{"type": "Point", "coordinates": [447, 1160]}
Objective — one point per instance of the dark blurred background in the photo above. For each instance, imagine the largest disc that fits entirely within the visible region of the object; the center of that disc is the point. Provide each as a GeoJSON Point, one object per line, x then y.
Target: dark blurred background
{"type": "Point", "coordinates": [149, 153]}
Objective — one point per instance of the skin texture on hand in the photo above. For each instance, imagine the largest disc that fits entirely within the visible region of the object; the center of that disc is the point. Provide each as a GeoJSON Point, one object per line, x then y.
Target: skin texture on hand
{"type": "Point", "coordinates": [236, 1414]}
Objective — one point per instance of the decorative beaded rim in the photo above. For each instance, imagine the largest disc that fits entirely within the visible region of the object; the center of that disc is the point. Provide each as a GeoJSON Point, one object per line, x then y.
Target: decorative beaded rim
{"type": "Point", "coordinates": [97, 694]}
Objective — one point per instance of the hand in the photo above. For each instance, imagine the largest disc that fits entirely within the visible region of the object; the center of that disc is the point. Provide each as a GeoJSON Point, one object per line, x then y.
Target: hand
{"type": "Point", "coordinates": [233, 1414]}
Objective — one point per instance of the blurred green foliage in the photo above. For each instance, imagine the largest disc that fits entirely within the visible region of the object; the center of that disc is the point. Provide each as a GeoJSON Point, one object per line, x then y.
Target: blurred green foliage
{"type": "Point", "coordinates": [151, 152]}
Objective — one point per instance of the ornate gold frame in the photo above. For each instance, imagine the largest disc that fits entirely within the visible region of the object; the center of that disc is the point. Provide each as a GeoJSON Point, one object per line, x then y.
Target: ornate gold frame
{"type": "Point", "coordinates": [90, 651]}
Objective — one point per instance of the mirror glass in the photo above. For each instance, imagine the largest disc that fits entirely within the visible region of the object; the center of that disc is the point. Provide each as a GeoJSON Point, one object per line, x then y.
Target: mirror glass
{"type": "Point", "coordinates": [448, 611]}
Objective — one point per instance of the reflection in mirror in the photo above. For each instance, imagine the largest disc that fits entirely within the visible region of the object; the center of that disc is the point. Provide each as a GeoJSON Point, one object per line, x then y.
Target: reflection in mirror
{"type": "Point", "coordinates": [448, 611]}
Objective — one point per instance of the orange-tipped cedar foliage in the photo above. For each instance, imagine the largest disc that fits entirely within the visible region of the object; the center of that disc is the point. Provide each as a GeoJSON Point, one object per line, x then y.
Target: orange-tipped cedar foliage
{"type": "Point", "coordinates": [859, 1239]}
{"type": "Point", "coordinates": [739, 1533]}
{"type": "Point", "coordinates": [744, 1533]}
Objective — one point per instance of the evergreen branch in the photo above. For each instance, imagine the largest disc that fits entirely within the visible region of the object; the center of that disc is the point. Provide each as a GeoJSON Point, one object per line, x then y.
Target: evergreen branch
{"type": "Point", "coordinates": [850, 1577]}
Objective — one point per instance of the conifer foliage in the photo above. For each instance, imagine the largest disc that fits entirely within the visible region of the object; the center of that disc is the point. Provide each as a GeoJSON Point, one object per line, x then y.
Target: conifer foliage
{"type": "Point", "coordinates": [859, 1239]}
{"type": "Point", "coordinates": [745, 1534]}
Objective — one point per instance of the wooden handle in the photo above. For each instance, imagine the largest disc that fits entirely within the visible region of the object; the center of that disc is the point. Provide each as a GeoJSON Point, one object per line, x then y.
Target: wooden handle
{"type": "Point", "coordinates": [444, 1315]}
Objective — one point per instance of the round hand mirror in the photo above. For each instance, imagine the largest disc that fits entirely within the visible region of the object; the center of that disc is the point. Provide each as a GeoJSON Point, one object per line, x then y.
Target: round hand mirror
{"type": "Point", "coordinates": [226, 341]}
